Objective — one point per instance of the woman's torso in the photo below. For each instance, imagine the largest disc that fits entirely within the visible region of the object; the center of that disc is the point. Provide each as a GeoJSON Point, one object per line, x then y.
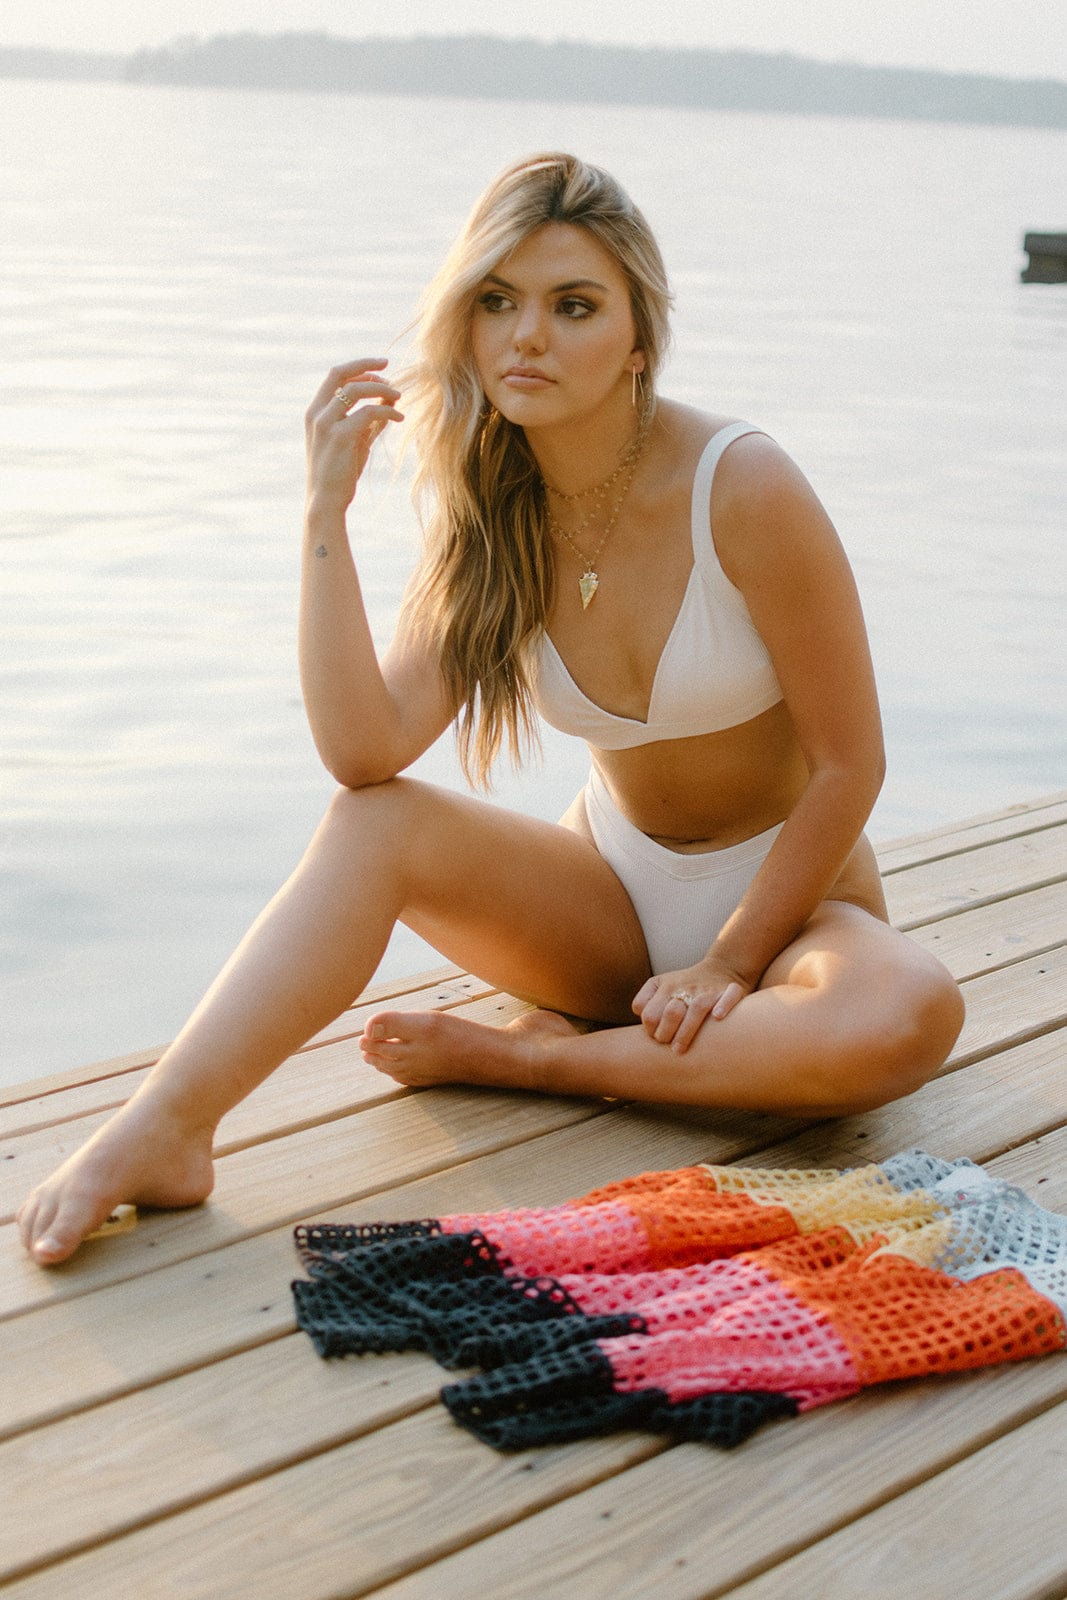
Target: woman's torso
{"type": "Point", "coordinates": [639, 650]}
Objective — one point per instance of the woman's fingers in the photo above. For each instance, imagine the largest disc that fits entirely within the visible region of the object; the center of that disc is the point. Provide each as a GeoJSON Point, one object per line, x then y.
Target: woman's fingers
{"type": "Point", "coordinates": [346, 395]}
{"type": "Point", "coordinates": [727, 1000]}
{"type": "Point", "coordinates": [671, 1018]}
{"type": "Point", "coordinates": [346, 372]}
{"type": "Point", "coordinates": [352, 406]}
{"type": "Point", "coordinates": [673, 1008]}
{"type": "Point", "coordinates": [696, 1014]}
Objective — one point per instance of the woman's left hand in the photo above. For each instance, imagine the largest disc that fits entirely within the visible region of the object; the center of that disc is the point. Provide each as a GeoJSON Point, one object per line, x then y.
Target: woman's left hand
{"type": "Point", "coordinates": [674, 1006]}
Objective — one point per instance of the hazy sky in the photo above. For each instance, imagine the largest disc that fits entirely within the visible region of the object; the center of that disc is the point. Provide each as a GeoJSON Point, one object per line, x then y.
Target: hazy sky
{"type": "Point", "coordinates": [1023, 38]}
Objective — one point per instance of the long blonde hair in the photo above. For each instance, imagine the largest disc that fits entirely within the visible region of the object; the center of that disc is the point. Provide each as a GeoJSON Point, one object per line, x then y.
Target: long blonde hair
{"type": "Point", "coordinates": [485, 583]}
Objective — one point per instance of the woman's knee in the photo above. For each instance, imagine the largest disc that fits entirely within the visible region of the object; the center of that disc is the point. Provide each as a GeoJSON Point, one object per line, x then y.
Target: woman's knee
{"type": "Point", "coordinates": [389, 804]}
{"type": "Point", "coordinates": [375, 820]}
{"type": "Point", "coordinates": [910, 1015]}
{"type": "Point", "coordinates": [934, 1014]}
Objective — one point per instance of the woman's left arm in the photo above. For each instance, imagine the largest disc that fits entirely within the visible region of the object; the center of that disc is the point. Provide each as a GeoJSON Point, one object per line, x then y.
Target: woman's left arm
{"type": "Point", "coordinates": [779, 547]}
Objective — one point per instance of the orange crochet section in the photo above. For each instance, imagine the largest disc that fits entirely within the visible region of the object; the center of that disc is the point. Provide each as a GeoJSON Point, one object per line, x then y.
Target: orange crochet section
{"type": "Point", "coordinates": [899, 1319]}
{"type": "Point", "coordinates": [685, 1219]}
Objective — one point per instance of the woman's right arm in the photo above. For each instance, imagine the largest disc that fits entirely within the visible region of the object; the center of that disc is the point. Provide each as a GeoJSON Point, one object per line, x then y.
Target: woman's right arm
{"type": "Point", "coordinates": [368, 720]}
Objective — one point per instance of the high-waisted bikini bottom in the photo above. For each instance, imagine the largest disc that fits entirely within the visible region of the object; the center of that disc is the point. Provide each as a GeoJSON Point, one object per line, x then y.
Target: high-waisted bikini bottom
{"type": "Point", "coordinates": [682, 901]}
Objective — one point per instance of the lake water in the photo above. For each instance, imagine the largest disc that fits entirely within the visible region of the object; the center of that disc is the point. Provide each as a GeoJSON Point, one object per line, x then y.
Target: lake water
{"type": "Point", "coordinates": [178, 268]}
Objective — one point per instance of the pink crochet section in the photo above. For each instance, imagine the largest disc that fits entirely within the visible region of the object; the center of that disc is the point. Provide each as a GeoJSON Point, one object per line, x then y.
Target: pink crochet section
{"type": "Point", "coordinates": [562, 1239]}
{"type": "Point", "coordinates": [767, 1340]}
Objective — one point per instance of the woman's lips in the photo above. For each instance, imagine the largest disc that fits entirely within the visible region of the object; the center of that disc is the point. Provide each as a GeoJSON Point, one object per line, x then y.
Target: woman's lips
{"type": "Point", "coordinates": [525, 378]}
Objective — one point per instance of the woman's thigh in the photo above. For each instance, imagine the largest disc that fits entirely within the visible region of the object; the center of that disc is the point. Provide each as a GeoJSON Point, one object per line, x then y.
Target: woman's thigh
{"type": "Point", "coordinates": [859, 882]}
{"type": "Point", "coordinates": [528, 905]}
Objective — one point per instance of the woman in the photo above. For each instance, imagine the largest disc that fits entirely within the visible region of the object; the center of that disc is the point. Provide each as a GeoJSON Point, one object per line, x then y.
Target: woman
{"type": "Point", "coordinates": [711, 881]}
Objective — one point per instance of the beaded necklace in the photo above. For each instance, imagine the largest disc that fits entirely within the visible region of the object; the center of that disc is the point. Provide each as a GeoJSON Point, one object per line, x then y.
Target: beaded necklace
{"type": "Point", "coordinates": [589, 582]}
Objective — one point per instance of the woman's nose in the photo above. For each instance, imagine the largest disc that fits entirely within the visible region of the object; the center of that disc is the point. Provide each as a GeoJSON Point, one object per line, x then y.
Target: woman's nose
{"type": "Point", "coordinates": [529, 330]}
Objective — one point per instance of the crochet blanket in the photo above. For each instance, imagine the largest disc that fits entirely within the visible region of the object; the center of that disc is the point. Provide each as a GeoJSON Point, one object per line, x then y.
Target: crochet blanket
{"type": "Point", "coordinates": [699, 1302]}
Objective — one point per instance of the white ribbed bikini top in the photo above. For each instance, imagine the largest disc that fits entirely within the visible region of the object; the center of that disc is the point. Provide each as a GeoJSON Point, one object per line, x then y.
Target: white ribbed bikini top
{"type": "Point", "coordinates": [714, 671]}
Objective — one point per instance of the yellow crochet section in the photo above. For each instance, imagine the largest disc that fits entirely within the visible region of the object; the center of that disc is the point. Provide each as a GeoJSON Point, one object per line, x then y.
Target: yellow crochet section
{"type": "Point", "coordinates": [864, 1200]}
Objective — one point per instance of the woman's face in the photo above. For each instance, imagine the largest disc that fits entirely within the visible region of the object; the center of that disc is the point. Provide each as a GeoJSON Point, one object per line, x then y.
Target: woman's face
{"type": "Point", "coordinates": [552, 332]}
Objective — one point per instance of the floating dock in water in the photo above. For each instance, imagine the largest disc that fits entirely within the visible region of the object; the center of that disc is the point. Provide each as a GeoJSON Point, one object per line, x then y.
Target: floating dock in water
{"type": "Point", "coordinates": [1048, 258]}
{"type": "Point", "coordinates": [167, 1433]}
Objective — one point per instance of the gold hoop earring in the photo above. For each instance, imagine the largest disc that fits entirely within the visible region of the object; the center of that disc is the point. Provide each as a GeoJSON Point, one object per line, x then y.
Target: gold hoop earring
{"type": "Point", "coordinates": [635, 386]}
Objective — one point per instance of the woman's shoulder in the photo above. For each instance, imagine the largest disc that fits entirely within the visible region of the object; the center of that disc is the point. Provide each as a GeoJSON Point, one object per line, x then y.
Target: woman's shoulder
{"type": "Point", "coordinates": [688, 431]}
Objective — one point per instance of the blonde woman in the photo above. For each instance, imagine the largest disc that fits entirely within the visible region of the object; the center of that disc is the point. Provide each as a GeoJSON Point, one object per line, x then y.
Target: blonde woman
{"type": "Point", "coordinates": [706, 924]}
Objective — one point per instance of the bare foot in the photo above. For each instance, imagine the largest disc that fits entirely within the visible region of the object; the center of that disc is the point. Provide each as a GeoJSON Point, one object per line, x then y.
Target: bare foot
{"type": "Point", "coordinates": [143, 1155]}
{"type": "Point", "coordinates": [423, 1047]}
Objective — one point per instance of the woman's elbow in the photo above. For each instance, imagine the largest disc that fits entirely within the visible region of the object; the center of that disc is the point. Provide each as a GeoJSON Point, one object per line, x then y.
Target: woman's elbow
{"type": "Point", "coordinates": [359, 769]}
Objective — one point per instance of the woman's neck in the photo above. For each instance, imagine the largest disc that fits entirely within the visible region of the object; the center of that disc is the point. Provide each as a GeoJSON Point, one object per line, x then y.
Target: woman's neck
{"type": "Point", "coordinates": [575, 455]}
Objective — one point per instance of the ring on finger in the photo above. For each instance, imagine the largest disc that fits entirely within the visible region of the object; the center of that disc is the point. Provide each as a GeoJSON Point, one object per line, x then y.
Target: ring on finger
{"type": "Point", "coordinates": [342, 395]}
{"type": "Point", "coordinates": [686, 999]}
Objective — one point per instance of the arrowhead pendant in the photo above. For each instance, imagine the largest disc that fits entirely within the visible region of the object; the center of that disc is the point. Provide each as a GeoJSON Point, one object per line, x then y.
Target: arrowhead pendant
{"type": "Point", "coordinates": [588, 584]}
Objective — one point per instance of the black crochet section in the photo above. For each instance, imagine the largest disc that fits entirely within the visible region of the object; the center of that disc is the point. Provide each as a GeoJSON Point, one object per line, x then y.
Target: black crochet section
{"type": "Point", "coordinates": [330, 1242]}
{"type": "Point", "coordinates": [411, 1287]}
{"type": "Point", "coordinates": [555, 1401]}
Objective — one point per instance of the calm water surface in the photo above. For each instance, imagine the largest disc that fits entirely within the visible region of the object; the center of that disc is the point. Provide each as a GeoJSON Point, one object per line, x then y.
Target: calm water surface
{"type": "Point", "coordinates": [177, 270]}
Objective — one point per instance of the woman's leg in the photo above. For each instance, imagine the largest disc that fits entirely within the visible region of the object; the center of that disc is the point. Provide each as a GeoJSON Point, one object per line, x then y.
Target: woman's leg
{"type": "Point", "coordinates": [528, 905]}
{"type": "Point", "coordinates": [849, 1016]}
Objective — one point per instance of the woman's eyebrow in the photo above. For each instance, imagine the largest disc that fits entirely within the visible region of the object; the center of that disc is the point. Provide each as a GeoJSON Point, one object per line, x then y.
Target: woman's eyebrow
{"type": "Point", "coordinates": [560, 288]}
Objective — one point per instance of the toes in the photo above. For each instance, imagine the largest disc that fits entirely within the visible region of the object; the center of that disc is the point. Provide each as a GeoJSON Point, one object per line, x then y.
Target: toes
{"type": "Point", "coordinates": [382, 1056]}
{"type": "Point", "coordinates": [53, 1230]}
{"type": "Point", "coordinates": [30, 1218]}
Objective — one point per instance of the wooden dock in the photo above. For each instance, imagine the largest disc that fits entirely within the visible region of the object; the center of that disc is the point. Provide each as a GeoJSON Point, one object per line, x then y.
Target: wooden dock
{"type": "Point", "coordinates": [166, 1431]}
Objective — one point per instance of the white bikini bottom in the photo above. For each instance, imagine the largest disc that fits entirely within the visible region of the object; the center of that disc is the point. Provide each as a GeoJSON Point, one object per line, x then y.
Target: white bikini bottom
{"type": "Point", "coordinates": [682, 901]}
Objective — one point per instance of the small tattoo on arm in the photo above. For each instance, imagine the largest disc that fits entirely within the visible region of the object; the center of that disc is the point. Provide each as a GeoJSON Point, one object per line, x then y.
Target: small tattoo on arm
{"type": "Point", "coordinates": [321, 551]}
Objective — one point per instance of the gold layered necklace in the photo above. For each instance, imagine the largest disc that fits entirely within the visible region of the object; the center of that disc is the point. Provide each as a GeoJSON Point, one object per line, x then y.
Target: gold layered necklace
{"type": "Point", "coordinates": [598, 496]}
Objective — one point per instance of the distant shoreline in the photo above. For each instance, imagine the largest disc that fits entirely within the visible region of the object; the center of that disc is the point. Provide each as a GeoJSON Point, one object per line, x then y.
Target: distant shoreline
{"type": "Point", "coordinates": [486, 67]}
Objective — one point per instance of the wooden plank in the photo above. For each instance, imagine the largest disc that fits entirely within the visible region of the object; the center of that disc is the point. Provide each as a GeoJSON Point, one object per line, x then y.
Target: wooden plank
{"type": "Point", "coordinates": [950, 840]}
{"type": "Point", "coordinates": [330, 1486]}
{"type": "Point", "coordinates": [361, 1515]}
{"type": "Point", "coordinates": [1009, 819]}
{"type": "Point", "coordinates": [439, 990]}
{"type": "Point", "coordinates": [1039, 1167]}
{"type": "Point", "coordinates": [181, 1296]}
{"type": "Point", "coordinates": [648, 1531]}
{"type": "Point", "coordinates": [347, 1087]}
{"type": "Point", "coordinates": [99, 1473]}
{"type": "Point", "coordinates": [1008, 1006]}
{"type": "Point", "coordinates": [114, 1067]}
{"type": "Point", "coordinates": [96, 1475]}
{"type": "Point", "coordinates": [992, 936]}
{"type": "Point", "coordinates": [1004, 1506]}
{"type": "Point", "coordinates": [977, 877]}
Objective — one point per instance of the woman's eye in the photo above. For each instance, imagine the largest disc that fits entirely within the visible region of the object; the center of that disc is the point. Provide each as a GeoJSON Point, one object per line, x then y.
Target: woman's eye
{"type": "Point", "coordinates": [576, 308]}
{"type": "Point", "coordinates": [493, 300]}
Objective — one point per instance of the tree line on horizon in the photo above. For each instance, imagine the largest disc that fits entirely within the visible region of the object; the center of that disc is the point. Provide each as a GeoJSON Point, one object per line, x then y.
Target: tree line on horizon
{"type": "Point", "coordinates": [487, 67]}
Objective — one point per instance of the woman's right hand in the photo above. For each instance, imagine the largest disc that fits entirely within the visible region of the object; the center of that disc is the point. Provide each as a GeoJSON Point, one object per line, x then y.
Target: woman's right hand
{"type": "Point", "coordinates": [338, 437]}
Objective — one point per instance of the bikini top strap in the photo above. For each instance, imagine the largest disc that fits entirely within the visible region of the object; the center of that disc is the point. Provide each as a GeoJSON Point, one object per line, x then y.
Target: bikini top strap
{"type": "Point", "coordinates": [703, 541]}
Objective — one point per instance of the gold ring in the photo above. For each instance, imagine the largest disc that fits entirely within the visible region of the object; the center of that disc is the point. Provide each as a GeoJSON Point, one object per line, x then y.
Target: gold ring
{"type": "Point", "coordinates": [686, 999]}
{"type": "Point", "coordinates": [342, 395]}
